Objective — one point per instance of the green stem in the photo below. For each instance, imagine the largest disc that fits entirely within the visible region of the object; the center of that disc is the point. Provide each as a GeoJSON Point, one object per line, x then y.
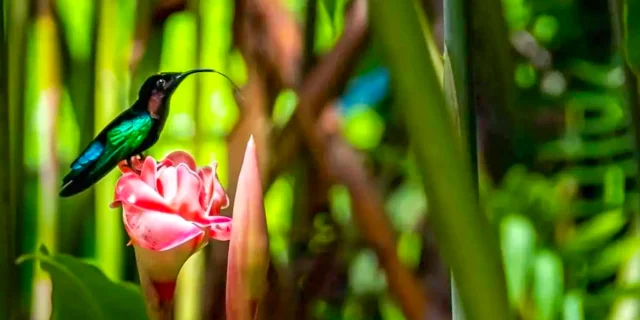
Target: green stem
{"type": "Point", "coordinates": [464, 233]}
{"type": "Point", "coordinates": [8, 270]}
{"type": "Point", "coordinates": [109, 229]}
{"type": "Point", "coordinates": [455, 79]}
{"type": "Point", "coordinates": [17, 15]}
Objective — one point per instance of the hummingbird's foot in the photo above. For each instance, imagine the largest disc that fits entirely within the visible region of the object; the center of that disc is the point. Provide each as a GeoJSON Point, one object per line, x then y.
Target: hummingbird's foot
{"type": "Point", "coordinates": [130, 165]}
{"type": "Point", "coordinates": [141, 157]}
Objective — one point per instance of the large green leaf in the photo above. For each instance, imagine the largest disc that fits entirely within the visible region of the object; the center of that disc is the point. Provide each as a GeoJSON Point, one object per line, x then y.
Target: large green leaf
{"type": "Point", "coordinates": [82, 291]}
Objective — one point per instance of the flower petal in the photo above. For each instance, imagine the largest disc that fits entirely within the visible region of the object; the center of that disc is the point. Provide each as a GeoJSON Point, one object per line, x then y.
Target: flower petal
{"type": "Point", "coordinates": [214, 197]}
{"type": "Point", "coordinates": [220, 228]}
{"type": "Point", "coordinates": [157, 231]}
{"type": "Point", "coordinates": [167, 183]}
{"type": "Point", "coordinates": [164, 266]}
{"type": "Point", "coordinates": [148, 171]}
{"type": "Point", "coordinates": [181, 187]}
{"type": "Point", "coordinates": [130, 189]}
{"type": "Point", "coordinates": [178, 157]}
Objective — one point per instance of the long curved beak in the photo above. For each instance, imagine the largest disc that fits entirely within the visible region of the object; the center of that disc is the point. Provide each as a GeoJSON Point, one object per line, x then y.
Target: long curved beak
{"type": "Point", "coordinates": [174, 84]}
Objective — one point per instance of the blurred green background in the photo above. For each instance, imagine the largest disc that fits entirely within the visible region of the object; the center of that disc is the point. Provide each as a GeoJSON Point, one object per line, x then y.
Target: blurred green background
{"type": "Point", "coordinates": [541, 98]}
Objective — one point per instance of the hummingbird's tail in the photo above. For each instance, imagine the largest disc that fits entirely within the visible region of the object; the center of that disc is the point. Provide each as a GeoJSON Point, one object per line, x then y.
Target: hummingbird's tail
{"type": "Point", "coordinates": [77, 181]}
{"type": "Point", "coordinates": [74, 183]}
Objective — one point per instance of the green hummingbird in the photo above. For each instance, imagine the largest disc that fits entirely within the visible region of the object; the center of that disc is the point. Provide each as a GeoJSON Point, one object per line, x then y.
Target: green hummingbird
{"type": "Point", "coordinates": [129, 134]}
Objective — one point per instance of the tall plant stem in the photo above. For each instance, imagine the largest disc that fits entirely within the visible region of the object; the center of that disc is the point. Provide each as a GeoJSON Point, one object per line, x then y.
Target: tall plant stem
{"type": "Point", "coordinates": [461, 228]}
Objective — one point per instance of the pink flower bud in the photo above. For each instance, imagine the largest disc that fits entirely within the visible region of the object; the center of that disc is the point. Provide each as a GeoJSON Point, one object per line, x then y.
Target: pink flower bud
{"type": "Point", "coordinates": [249, 243]}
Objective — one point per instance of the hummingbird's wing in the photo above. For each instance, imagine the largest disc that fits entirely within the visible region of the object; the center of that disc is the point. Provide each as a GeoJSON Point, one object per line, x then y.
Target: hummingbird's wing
{"type": "Point", "coordinates": [118, 143]}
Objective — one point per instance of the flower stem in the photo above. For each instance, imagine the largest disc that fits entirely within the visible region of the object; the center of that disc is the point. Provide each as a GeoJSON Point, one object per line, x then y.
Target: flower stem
{"type": "Point", "coordinates": [159, 302]}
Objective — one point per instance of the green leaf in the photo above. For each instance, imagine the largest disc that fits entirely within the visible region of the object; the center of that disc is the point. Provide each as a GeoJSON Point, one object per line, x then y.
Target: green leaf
{"type": "Point", "coordinates": [364, 128]}
{"type": "Point", "coordinates": [365, 276]}
{"type": "Point", "coordinates": [632, 34]}
{"type": "Point", "coordinates": [450, 93]}
{"type": "Point", "coordinates": [573, 309]}
{"type": "Point", "coordinates": [518, 242]}
{"type": "Point", "coordinates": [548, 285]}
{"type": "Point", "coordinates": [82, 291]}
{"type": "Point", "coordinates": [324, 30]}
{"type": "Point", "coordinates": [388, 309]}
{"type": "Point", "coordinates": [284, 107]}
{"type": "Point", "coordinates": [595, 233]}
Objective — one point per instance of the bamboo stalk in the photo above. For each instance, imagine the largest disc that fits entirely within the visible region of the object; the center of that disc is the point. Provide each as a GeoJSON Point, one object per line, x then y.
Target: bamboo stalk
{"type": "Point", "coordinates": [17, 15]}
{"type": "Point", "coordinates": [455, 55]}
{"type": "Point", "coordinates": [8, 270]}
{"type": "Point", "coordinates": [109, 230]}
{"type": "Point", "coordinates": [179, 53]}
{"type": "Point", "coordinates": [44, 111]}
{"type": "Point", "coordinates": [79, 79]}
{"type": "Point", "coordinates": [460, 226]}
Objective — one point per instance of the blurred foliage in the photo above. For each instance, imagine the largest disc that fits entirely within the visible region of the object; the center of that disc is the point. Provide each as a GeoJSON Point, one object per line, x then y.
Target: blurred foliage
{"type": "Point", "coordinates": [565, 216]}
{"type": "Point", "coordinates": [82, 291]}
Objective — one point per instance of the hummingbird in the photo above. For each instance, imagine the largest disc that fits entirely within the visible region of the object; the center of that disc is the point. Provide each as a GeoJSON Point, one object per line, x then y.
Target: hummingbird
{"type": "Point", "coordinates": [131, 133]}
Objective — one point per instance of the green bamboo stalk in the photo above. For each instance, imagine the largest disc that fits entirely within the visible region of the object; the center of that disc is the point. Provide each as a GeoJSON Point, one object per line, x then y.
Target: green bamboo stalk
{"type": "Point", "coordinates": [467, 243]}
{"type": "Point", "coordinates": [109, 229]}
{"type": "Point", "coordinates": [217, 111]}
{"type": "Point", "coordinates": [42, 114]}
{"type": "Point", "coordinates": [8, 270]}
{"type": "Point", "coordinates": [179, 54]}
{"type": "Point", "coordinates": [455, 79]}
{"type": "Point", "coordinates": [17, 14]}
{"type": "Point", "coordinates": [78, 43]}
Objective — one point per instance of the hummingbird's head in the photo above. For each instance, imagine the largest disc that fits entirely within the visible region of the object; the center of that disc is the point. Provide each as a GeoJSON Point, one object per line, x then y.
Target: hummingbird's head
{"type": "Point", "coordinates": [165, 83]}
{"type": "Point", "coordinates": [158, 88]}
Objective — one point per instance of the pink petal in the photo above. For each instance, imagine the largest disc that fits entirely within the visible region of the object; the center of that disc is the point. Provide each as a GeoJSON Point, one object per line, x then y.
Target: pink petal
{"type": "Point", "coordinates": [181, 187]}
{"type": "Point", "coordinates": [157, 231]}
{"type": "Point", "coordinates": [148, 171]}
{"type": "Point", "coordinates": [178, 157]}
{"type": "Point", "coordinates": [220, 228]}
{"type": "Point", "coordinates": [167, 183]}
{"type": "Point", "coordinates": [165, 163]}
{"type": "Point", "coordinates": [130, 189]}
{"type": "Point", "coordinates": [214, 197]}
{"type": "Point", "coordinates": [249, 244]}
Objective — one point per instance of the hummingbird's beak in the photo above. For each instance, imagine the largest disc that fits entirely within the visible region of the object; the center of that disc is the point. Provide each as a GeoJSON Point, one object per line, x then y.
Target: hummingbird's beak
{"type": "Point", "coordinates": [180, 77]}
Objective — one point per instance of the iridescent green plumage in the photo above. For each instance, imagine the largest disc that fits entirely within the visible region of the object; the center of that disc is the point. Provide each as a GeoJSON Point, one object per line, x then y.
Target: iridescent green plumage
{"type": "Point", "coordinates": [129, 134]}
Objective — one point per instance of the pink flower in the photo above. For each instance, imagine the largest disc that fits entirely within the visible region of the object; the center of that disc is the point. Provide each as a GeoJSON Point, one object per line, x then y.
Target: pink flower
{"type": "Point", "coordinates": [171, 210]}
{"type": "Point", "coordinates": [249, 244]}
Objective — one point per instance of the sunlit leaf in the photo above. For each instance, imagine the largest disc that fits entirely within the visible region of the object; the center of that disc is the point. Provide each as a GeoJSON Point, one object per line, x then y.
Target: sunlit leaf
{"type": "Point", "coordinates": [364, 128]}
{"type": "Point", "coordinates": [340, 202]}
{"type": "Point", "coordinates": [548, 285]}
{"type": "Point", "coordinates": [324, 30]}
{"type": "Point", "coordinates": [407, 206]}
{"type": "Point", "coordinates": [518, 243]}
{"type": "Point", "coordinates": [572, 309]}
{"type": "Point", "coordinates": [389, 309]}
{"type": "Point", "coordinates": [595, 232]}
{"type": "Point", "coordinates": [545, 28]}
{"type": "Point", "coordinates": [525, 75]}
{"type": "Point", "coordinates": [364, 275]}
{"type": "Point", "coordinates": [410, 249]}
{"type": "Point", "coordinates": [284, 107]}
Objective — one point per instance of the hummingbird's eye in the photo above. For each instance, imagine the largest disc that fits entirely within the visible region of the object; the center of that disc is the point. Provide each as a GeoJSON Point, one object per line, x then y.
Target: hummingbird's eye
{"type": "Point", "coordinates": [160, 83]}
